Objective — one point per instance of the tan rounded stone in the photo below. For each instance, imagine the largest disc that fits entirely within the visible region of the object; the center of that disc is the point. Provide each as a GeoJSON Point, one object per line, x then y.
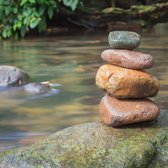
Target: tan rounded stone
{"type": "Point", "coordinates": [118, 112]}
{"type": "Point", "coordinates": [127, 59]}
{"type": "Point", "coordinates": [126, 83]}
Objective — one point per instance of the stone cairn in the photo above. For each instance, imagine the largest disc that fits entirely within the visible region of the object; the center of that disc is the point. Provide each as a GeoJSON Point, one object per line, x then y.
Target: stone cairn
{"type": "Point", "coordinates": [126, 83]}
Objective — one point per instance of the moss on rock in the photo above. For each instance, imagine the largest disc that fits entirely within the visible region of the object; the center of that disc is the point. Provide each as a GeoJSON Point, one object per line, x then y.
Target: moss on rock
{"type": "Point", "coordinates": [95, 145]}
{"type": "Point", "coordinates": [161, 159]}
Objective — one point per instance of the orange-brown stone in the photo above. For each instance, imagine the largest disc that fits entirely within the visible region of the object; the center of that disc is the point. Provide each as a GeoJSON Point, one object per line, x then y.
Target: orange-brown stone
{"type": "Point", "coordinates": [126, 83]}
{"type": "Point", "coordinates": [118, 112]}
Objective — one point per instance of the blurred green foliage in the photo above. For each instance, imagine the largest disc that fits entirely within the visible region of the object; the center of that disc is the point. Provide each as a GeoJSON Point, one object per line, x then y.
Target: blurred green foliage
{"type": "Point", "coordinates": [19, 16]}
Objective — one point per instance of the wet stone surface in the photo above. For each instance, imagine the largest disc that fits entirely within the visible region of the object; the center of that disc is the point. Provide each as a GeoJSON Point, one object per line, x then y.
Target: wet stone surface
{"type": "Point", "coordinates": [119, 112]}
{"type": "Point", "coordinates": [126, 83]}
{"type": "Point", "coordinates": [96, 145]}
{"type": "Point", "coordinates": [36, 88]}
{"type": "Point", "coordinates": [12, 76]}
{"type": "Point", "coordinates": [123, 40]}
{"type": "Point", "coordinates": [127, 59]}
{"type": "Point", "coordinates": [29, 91]}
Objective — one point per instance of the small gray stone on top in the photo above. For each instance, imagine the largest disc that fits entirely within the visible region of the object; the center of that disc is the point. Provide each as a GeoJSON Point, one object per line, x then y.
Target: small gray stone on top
{"type": "Point", "coordinates": [123, 40]}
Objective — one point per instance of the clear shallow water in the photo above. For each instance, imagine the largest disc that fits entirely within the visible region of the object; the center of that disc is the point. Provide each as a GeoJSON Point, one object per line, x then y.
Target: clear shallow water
{"type": "Point", "coordinates": [71, 61]}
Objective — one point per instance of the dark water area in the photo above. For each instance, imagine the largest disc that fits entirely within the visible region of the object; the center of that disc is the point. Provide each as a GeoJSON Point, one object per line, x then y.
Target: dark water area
{"type": "Point", "coordinates": [72, 62]}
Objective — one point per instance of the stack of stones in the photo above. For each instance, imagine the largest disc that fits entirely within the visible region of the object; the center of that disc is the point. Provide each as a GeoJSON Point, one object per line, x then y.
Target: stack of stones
{"type": "Point", "coordinates": [126, 83]}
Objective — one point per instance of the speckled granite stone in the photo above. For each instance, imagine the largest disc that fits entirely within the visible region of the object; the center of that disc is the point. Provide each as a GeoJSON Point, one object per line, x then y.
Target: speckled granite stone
{"type": "Point", "coordinates": [123, 40]}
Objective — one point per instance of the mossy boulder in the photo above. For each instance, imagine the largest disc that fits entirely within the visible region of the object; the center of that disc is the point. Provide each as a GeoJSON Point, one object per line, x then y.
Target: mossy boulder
{"type": "Point", "coordinates": [96, 145]}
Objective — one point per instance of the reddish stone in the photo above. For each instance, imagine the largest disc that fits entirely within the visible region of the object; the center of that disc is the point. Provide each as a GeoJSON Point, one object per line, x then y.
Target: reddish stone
{"type": "Point", "coordinates": [127, 59]}
{"type": "Point", "coordinates": [118, 112]}
{"type": "Point", "coordinates": [126, 83]}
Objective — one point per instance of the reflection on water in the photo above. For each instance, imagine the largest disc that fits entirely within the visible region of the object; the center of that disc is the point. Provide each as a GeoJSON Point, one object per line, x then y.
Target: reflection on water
{"type": "Point", "coordinates": [71, 61]}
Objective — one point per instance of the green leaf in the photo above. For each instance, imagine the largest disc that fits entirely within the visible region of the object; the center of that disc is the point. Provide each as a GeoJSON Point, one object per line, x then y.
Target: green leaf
{"type": "Point", "coordinates": [4, 35]}
{"type": "Point", "coordinates": [71, 3]}
{"type": "Point", "coordinates": [42, 9]}
{"type": "Point", "coordinates": [7, 10]}
{"type": "Point", "coordinates": [23, 31]}
{"type": "Point", "coordinates": [7, 31]}
{"type": "Point", "coordinates": [34, 22]}
{"type": "Point", "coordinates": [15, 10]}
{"type": "Point", "coordinates": [6, 2]}
{"type": "Point", "coordinates": [67, 2]}
{"type": "Point", "coordinates": [17, 25]}
{"type": "Point", "coordinates": [50, 12]}
{"type": "Point", "coordinates": [42, 25]}
{"type": "Point", "coordinates": [32, 1]}
{"type": "Point", "coordinates": [23, 2]}
{"type": "Point", "coordinates": [74, 5]}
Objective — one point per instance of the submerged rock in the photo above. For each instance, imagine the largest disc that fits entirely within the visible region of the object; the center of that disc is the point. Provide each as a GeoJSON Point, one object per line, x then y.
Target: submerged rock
{"type": "Point", "coordinates": [118, 112]}
{"type": "Point", "coordinates": [29, 91]}
{"type": "Point", "coordinates": [12, 76]}
{"type": "Point", "coordinates": [36, 88]}
{"type": "Point", "coordinates": [124, 40]}
{"type": "Point", "coordinates": [126, 83]}
{"type": "Point", "coordinates": [94, 145]}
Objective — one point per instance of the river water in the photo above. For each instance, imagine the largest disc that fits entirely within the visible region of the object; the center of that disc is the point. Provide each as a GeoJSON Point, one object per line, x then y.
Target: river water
{"type": "Point", "coordinates": [70, 61]}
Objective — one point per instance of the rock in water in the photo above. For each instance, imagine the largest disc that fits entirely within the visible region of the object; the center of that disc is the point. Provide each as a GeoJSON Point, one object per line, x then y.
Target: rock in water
{"type": "Point", "coordinates": [95, 145]}
{"type": "Point", "coordinates": [123, 40]}
{"type": "Point", "coordinates": [118, 112]}
{"type": "Point", "coordinates": [37, 88]}
{"type": "Point", "coordinates": [12, 76]}
{"type": "Point", "coordinates": [126, 83]}
{"type": "Point", "coordinates": [127, 59]}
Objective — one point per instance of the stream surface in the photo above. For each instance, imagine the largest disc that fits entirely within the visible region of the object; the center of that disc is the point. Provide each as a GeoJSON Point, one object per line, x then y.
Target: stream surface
{"type": "Point", "coordinates": [72, 62]}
